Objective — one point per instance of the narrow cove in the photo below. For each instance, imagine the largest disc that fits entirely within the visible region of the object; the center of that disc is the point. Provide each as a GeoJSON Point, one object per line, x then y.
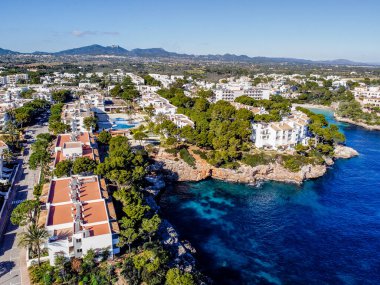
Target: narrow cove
{"type": "Point", "coordinates": [325, 231]}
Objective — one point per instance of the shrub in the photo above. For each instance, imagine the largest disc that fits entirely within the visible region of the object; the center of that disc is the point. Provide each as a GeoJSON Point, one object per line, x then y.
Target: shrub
{"type": "Point", "coordinates": [187, 157]}
{"type": "Point", "coordinates": [37, 190]}
{"type": "Point", "coordinates": [202, 154]}
{"type": "Point", "coordinates": [254, 160]}
{"type": "Point", "coordinates": [292, 163]}
{"type": "Point", "coordinates": [42, 274]}
{"type": "Point", "coordinates": [172, 151]}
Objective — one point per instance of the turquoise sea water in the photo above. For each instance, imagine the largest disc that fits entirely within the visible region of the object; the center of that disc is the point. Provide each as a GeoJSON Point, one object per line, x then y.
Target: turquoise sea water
{"type": "Point", "coordinates": [326, 231]}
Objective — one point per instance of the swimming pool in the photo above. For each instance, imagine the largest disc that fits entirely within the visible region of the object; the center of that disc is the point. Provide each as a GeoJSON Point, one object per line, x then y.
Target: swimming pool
{"type": "Point", "coordinates": [122, 124]}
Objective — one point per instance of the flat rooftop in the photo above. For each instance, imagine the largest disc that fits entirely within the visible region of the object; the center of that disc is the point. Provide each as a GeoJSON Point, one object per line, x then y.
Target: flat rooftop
{"type": "Point", "coordinates": [60, 190]}
{"type": "Point", "coordinates": [72, 145]}
{"type": "Point", "coordinates": [87, 151]}
{"type": "Point", "coordinates": [65, 138]}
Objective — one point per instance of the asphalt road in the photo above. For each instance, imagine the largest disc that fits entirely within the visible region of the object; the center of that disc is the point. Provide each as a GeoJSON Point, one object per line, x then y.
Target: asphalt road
{"type": "Point", "coordinates": [13, 259]}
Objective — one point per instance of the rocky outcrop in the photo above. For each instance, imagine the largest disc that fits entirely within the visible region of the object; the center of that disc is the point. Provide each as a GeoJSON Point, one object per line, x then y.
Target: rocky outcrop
{"type": "Point", "coordinates": [178, 170]}
{"type": "Point", "coordinates": [341, 151]}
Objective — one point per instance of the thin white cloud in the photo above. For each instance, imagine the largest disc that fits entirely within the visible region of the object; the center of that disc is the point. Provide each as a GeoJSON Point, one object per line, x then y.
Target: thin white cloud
{"type": "Point", "coordinates": [79, 33]}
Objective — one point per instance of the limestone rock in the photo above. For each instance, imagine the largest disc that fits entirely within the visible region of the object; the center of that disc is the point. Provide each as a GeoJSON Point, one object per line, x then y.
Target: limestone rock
{"type": "Point", "coordinates": [344, 152]}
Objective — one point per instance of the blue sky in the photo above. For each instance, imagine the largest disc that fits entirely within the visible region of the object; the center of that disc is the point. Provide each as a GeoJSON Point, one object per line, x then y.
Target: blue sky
{"type": "Point", "coordinates": [312, 29]}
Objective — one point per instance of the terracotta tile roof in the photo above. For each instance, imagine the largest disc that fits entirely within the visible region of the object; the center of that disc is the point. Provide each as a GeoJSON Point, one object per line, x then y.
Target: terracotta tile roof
{"type": "Point", "coordinates": [93, 212]}
{"type": "Point", "coordinates": [60, 215]}
{"type": "Point", "coordinates": [65, 138]}
{"type": "Point", "coordinates": [87, 152]}
{"type": "Point", "coordinates": [72, 144]}
{"type": "Point", "coordinates": [97, 230]}
{"type": "Point", "coordinates": [60, 190]}
{"type": "Point", "coordinates": [64, 233]}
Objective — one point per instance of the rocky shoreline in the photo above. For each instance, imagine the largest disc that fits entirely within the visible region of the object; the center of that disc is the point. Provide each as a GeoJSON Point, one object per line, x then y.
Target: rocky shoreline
{"type": "Point", "coordinates": [175, 169]}
{"type": "Point", "coordinates": [360, 124]}
{"type": "Point", "coordinates": [169, 168]}
{"type": "Point", "coordinates": [333, 108]}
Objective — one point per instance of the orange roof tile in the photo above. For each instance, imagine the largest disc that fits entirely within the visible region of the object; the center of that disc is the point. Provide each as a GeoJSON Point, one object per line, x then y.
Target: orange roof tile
{"type": "Point", "coordinates": [65, 138]}
{"type": "Point", "coordinates": [97, 230]}
{"type": "Point", "coordinates": [94, 212]}
{"type": "Point", "coordinates": [60, 215]}
{"type": "Point", "coordinates": [60, 190]}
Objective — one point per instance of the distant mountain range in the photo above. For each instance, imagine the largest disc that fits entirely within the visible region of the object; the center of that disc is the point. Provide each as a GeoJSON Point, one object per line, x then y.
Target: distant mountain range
{"type": "Point", "coordinates": [98, 50]}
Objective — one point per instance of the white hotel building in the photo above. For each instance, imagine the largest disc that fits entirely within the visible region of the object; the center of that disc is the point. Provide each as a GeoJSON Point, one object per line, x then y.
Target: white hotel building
{"type": "Point", "coordinates": [286, 134]}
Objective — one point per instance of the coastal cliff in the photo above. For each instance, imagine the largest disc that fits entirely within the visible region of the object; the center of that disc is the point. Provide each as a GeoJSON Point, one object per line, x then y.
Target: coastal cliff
{"type": "Point", "coordinates": [178, 170]}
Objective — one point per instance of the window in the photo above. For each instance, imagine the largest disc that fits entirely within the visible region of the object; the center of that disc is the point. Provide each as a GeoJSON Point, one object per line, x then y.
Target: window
{"type": "Point", "coordinates": [79, 240]}
{"type": "Point", "coordinates": [79, 250]}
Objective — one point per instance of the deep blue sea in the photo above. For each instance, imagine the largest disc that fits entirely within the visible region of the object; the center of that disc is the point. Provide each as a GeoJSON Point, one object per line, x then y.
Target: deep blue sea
{"type": "Point", "coordinates": [326, 231]}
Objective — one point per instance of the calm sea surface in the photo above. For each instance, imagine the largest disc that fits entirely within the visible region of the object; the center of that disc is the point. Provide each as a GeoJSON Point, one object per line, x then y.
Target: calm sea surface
{"type": "Point", "coordinates": [326, 231]}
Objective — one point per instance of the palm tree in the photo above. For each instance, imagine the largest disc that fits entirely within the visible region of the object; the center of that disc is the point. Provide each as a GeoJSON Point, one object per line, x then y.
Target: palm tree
{"type": "Point", "coordinates": [34, 237]}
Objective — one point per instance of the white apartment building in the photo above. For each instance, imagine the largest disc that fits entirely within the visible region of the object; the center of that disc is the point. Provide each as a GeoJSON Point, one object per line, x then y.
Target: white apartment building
{"type": "Point", "coordinates": [282, 135]}
{"type": "Point", "coordinates": [230, 94]}
{"type": "Point", "coordinates": [95, 101]}
{"type": "Point", "coordinates": [181, 120]}
{"type": "Point", "coordinates": [79, 218]}
{"type": "Point", "coordinates": [88, 85]}
{"type": "Point", "coordinates": [14, 78]}
{"type": "Point", "coordinates": [137, 80]}
{"type": "Point", "coordinates": [166, 80]}
{"type": "Point", "coordinates": [73, 114]}
{"type": "Point", "coordinates": [162, 106]}
{"type": "Point", "coordinates": [368, 96]}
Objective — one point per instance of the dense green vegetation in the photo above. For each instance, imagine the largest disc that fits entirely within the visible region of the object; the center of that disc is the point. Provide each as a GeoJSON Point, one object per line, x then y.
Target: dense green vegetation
{"type": "Point", "coordinates": [183, 153]}
{"type": "Point", "coordinates": [352, 110]}
{"type": "Point", "coordinates": [56, 126]}
{"type": "Point", "coordinates": [61, 96]}
{"type": "Point", "coordinates": [218, 126]}
{"type": "Point", "coordinates": [104, 137]}
{"type": "Point", "coordinates": [146, 260]}
{"type": "Point", "coordinates": [149, 80]}
{"type": "Point", "coordinates": [277, 107]}
{"type": "Point", "coordinates": [125, 90]}
{"type": "Point", "coordinates": [27, 114]}
{"type": "Point", "coordinates": [63, 168]}
{"type": "Point", "coordinates": [312, 93]}
{"type": "Point", "coordinates": [325, 135]}
{"type": "Point", "coordinates": [90, 123]}
{"type": "Point", "coordinates": [40, 156]}
{"type": "Point", "coordinates": [27, 94]}
{"type": "Point", "coordinates": [75, 271]}
{"type": "Point", "coordinates": [81, 165]}
{"type": "Point", "coordinates": [123, 166]}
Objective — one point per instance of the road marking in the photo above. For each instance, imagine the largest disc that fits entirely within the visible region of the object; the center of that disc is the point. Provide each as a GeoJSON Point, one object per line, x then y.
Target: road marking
{"type": "Point", "coordinates": [17, 202]}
